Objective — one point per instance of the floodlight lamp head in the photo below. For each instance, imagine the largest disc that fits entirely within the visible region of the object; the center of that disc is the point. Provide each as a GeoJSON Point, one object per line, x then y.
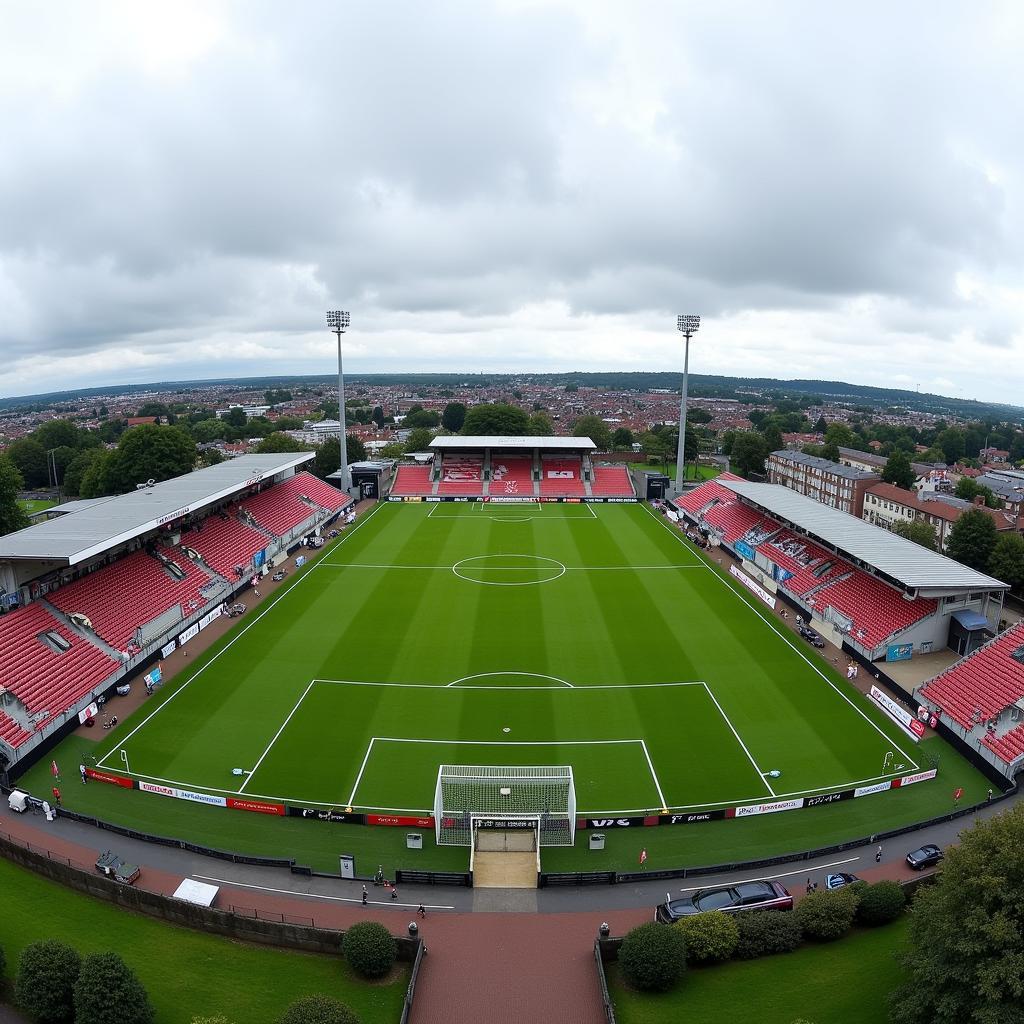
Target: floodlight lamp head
{"type": "Point", "coordinates": [688, 324]}
{"type": "Point", "coordinates": [337, 319]}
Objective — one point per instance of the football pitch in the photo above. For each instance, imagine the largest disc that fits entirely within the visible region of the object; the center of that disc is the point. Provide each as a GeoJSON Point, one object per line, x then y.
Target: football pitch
{"type": "Point", "coordinates": [512, 634]}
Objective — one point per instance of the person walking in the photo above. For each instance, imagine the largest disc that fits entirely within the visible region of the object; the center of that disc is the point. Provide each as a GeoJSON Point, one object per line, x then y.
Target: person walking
{"type": "Point", "coordinates": [366, 895]}
{"type": "Point", "coordinates": [878, 855]}
{"type": "Point", "coordinates": [421, 912]}
{"type": "Point", "coordinates": [56, 796]}
{"type": "Point", "coordinates": [988, 799]}
{"type": "Point", "coordinates": [81, 769]}
{"type": "Point", "coordinates": [394, 892]}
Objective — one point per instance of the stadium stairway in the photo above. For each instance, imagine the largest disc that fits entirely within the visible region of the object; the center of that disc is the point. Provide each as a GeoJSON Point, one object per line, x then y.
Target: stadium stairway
{"type": "Point", "coordinates": [94, 638]}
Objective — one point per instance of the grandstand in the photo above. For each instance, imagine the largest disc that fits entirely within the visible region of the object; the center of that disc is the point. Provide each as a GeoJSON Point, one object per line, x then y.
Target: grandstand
{"type": "Point", "coordinates": [132, 573]}
{"type": "Point", "coordinates": [512, 468]}
{"type": "Point", "coordinates": [982, 698]}
{"type": "Point", "coordinates": [860, 585]}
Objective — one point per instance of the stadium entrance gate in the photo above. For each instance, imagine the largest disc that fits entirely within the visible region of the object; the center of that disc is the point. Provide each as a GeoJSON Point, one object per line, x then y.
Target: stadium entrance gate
{"type": "Point", "coordinates": [505, 853]}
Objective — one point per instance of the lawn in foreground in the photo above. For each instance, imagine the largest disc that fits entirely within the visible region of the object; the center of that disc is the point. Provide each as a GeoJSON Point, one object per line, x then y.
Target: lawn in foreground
{"type": "Point", "coordinates": [187, 973]}
{"type": "Point", "coordinates": [844, 982]}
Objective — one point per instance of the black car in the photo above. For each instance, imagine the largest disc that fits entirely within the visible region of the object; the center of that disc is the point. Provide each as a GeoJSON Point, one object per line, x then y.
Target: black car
{"type": "Point", "coordinates": [927, 856]}
{"type": "Point", "coordinates": [813, 637]}
{"type": "Point", "coordinates": [730, 898]}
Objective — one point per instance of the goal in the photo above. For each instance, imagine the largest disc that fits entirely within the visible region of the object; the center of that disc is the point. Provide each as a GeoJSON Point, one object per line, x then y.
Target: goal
{"type": "Point", "coordinates": [470, 797]}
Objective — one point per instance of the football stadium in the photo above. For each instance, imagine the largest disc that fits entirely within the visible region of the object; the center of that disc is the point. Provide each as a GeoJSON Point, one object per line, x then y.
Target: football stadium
{"type": "Point", "coordinates": [509, 639]}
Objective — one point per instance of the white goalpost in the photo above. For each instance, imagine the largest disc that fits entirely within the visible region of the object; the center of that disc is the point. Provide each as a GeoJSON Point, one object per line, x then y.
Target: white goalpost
{"type": "Point", "coordinates": [470, 797]}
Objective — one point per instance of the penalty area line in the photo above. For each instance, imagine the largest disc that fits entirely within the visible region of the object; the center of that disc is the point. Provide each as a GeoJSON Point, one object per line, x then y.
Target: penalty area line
{"type": "Point", "coordinates": [255, 767]}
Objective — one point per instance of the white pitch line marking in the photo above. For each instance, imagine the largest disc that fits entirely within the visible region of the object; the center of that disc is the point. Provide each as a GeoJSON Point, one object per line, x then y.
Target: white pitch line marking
{"type": "Point", "coordinates": [782, 874]}
{"type": "Point", "coordinates": [255, 767]}
{"type": "Point", "coordinates": [750, 757]}
{"type": "Point", "coordinates": [362, 768]}
{"type": "Point", "coordinates": [532, 675]}
{"type": "Point", "coordinates": [654, 774]}
{"type": "Point", "coordinates": [788, 641]}
{"type": "Point", "coordinates": [318, 896]}
{"type": "Point", "coordinates": [278, 595]}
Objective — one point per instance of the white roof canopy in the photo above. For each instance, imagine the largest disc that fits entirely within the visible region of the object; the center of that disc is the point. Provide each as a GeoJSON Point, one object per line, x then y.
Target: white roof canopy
{"type": "Point", "coordinates": [910, 564]}
{"type": "Point", "coordinates": [458, 442]}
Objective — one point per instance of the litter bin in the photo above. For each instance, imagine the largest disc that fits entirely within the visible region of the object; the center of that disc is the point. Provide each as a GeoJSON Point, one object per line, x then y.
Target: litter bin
{"type": "Point", "coordinates": [414, 840]}
{"type": "Point", "coordinates": [597, 840]}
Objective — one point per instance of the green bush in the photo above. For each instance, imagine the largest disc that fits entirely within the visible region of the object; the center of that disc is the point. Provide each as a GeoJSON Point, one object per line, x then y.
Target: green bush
{"type": "Point", "coordinates": [827, 916]}
{"type": "Point", "coordinates": [45, 983]}
{"type": "Point", "coordinates": [653, 957]}
{"type": "Point", "coordinates": [319, 1009]}
{"type": "Point", "coordinates": [107, 992]}
{"type": "Point", "coordinates": [881, 903]}
{"type": "Point", "coordinates": [709, 937]}
{"type": "Point", "coordinates": [767, 932]}
{"type": "Point", "coordinates": [370, 949]}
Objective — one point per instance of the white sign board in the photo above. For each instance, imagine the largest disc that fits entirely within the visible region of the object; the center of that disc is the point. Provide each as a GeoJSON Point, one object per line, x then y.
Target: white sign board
{"type": "Point", "coordinates": [753, 586]}
{"type": "Point", "coordinates": [199, 893]}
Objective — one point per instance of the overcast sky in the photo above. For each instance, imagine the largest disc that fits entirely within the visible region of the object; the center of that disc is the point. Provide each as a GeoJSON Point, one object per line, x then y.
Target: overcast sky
{"type": "Point", "coordinates": [836, 187]}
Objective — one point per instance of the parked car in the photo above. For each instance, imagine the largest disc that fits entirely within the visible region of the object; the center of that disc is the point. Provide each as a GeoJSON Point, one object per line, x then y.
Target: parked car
{"type": "Point", "coordinates": [837, 879]}
{"type": "Point", "coordinates": [812, 636]}
{"type": "Point", "coordinates": [924, 857]}
{"type": "Point", "coordinates": [729, 898]}
{"type": "Point", "coordinates": [278, 576]}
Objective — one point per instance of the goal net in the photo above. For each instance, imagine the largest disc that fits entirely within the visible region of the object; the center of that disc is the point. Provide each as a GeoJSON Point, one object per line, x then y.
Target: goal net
{"type": "Point", "coordinates": [470, 797]}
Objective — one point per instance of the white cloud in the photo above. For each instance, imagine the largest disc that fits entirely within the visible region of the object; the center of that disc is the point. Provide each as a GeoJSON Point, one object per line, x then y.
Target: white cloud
{"type": "Point", "coordinates": [525, 185]}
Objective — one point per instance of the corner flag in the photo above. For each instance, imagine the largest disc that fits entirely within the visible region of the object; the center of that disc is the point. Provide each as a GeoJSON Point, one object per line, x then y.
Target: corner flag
{"type": "Point", "coordinates": [643, 856]}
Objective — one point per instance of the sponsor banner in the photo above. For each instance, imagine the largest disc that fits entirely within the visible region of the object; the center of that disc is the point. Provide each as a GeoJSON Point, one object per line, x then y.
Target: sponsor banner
{"type": "Point", "coordinates": [878, 787]}
{"type": "Point", "coordinates": [402, 821]}
{"type": "Point", "coordinates": [322, 814]}
{"type": "Point", "coordinates": [612, 822]}
{"type": "Point", "coordinates": [898, 713]}
{"type": "Point", "coordinates": [779, 574]}
{"type": "Point", "coordinates": [209, 617]}
{"type": "Point", "coordinates": [193, 630]}
{"type": "Point", "coordinates": [183, 794]}
{"type": "Point", "coordinates": [506, 499]}
{"type": "Point", "coordinates": [691, 819]}
{"type": "Point", "coordinates": [503, 824]}
{"type": "Point", "coordinates": [412, 498]}
{"type": "Point", "coordinates": [769, 808]}
{"type": "Point", "coordinates": [573, 501]}
{"type": "Point", "coordinates": [113, 780]}
{"type": "Point", "coordinates": [394, 498]}
{"type": "Point", "coordinates": [909, 780]}
{"type": "Point", "coordinates": [753, 586]}
{"type": "Point", "coordinates": [827, 798]}
{"type": "Point", "coordinates": [258, 806]}
{"type": "Point", "coordinates": [899, 652]}
{"type": "Point", "coordinates": [168, 649]}
{"type": "Point", "coordinates": [90, 712]}
{"type": "Point", "coordinates": [433, 499]}
{"type": "Point", "coordinates": [745, 550]}
{"type": "Point", "coordinates": [616, 501]}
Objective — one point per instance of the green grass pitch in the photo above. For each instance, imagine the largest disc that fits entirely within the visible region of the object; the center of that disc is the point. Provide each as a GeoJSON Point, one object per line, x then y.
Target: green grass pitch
{"type": "Point", "coordinates": [552, 634]}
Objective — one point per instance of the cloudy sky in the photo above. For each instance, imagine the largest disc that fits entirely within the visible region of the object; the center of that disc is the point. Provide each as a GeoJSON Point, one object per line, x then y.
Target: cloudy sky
{"type": "Point", "coordinates": [837, 187]}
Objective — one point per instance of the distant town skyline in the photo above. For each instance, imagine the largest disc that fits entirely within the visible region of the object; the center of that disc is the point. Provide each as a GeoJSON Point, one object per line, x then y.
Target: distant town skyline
{"type": "Point", "coordinates": [512, 187]}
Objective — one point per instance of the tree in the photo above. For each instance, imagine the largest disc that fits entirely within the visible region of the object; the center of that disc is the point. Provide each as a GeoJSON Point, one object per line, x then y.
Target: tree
{"type": "Point", "coordinates": [71, 481]}
{"type": "Point", "coordinates": [279, 442]}
{"type": "Point", "coordinates": [772, 437]}
{"type": "Point", "coordinates": [12, 515]}
{"type": "Point", "coordinates": [916, 530]}
{"type": "Point", "coordinates": [29, 457]}
{"type": "Point", "coordinates": [108, 992]}
{"type": "Point", "coordinates": [749, 452]}
{"type": "Point", "coordinates": [275, 396]}
{"type": "Point", "coordinates": [972, 539]}
{"type": "Point", "coordinates": [153, 409]}
{"type": "Point", "coordinates": [209, 457]}
{"type": "Point", "coordinates": [318, 1009]}
{"type": "Point", "coordinates": [235, 416]}
{"type": "Point", "coordinates": [97, 476]}
{"type": "Point", "coordinates": [328, 456]}
{"type": "Point", "coordinates": [420, 417]}
{"type": "Point", "coordinates": [150, 452]}
{"type": "Point", "coordinates": [653, 957]}
{"type": "Point", "coordinates": [952, 443]}
{"type": "Point", "coordinates": [370, 948]}
{"type": "Point", "coordinates": [969, 489]}
{"type": "Point", "coordinates": [841, 436]}
{"type": "Point", "coordinates": [698, 416]}
{"type": "Point", "coordinates": [898, 470]}
{"type": "Point", "coordinates": [540, 425]}
{"type": "Point", "coordinates": [57, 434]}
{"type": "Point", "coordinates": [206, 431]}
{"type": "Point", "coordinates": [419, 440]}
{"type": "Point", "coordinates": [596, 429]}
{"type": "Point", "coordinates": [44, 986]}
{"type": "Point", "coordinates": [1006, 562]}
{"type": "Point", "coordinates": [377, 416]}
{"type": "Point", "coordinates": [963, 960]}
{"type": "Point", "coordinates": [829, 451]}
{"type": "Point", "coordinates": [820, 426]}
{"type": "Point", "coordinates": [497, 418]}
{"type": "Point", "coordinates": [622, 437]}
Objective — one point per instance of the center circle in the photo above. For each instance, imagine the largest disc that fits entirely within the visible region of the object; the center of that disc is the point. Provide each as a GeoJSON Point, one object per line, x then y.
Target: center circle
{"type": "Point", "coordinates": [508, 570]}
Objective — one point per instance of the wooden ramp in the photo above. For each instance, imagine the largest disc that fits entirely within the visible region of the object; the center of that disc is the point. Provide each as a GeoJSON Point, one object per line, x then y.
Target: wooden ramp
{"type": "Point", "coordinates": [505, 860]}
